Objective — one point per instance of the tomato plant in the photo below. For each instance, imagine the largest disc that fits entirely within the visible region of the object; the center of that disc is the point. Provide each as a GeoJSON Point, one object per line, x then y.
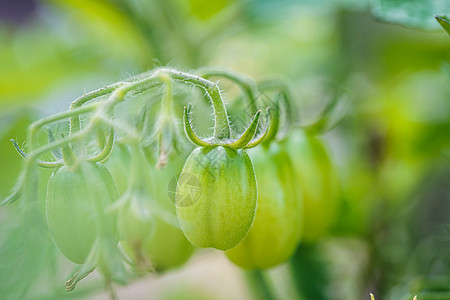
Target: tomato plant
{"type": "Point", "coordinates": [130, 194]}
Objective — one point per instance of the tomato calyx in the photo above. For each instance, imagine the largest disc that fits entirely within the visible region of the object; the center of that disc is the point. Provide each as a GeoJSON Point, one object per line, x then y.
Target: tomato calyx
{"type": "Point", "coordinates": [246, 140]}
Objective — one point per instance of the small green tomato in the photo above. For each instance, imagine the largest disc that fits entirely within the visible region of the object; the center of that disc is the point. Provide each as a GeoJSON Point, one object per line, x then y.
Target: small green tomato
{"type": "Point", "coordinates": [318, 180]}
{"type": "Point", "coordinates": [167, 247]}
{"type": "Point", "coordinates": [275, 232]}
{"type": "Point", "coordinates": [76, 198]}
{"type": "Point", "coordinates": [216, 197]}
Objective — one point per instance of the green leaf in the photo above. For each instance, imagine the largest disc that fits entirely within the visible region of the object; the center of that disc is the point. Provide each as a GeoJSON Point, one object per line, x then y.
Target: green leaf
{"type": "Point", "coordinates": [444, 21]}
{"type": "Point", "coordinates": [411, 13]}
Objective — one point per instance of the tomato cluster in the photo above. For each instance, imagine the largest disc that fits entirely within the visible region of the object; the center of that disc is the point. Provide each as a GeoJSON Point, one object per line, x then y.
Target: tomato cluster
{"type": "Point", "coordinates": [255, 202]}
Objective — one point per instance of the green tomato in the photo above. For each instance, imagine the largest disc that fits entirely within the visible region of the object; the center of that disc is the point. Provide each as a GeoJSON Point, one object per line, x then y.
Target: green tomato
{"type": "Point", "coordinates": [76, 199]}
{"type": "Point", "coordinates": [133, 228]}
{"type": "Point", "coordinates": [167, 247]}
{"type": "Point", "coordinates": [216, 197]}
{"type": "Point", "coordinates": [318, 181]}
{"type": "Point", "coordinates": [275, 233]}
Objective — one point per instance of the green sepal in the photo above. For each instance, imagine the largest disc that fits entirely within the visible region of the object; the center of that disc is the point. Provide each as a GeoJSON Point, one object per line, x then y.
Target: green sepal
{"type": "Point", "coordinates": [248, 134]}
{"type": "Point", "coordinates": [274, 125]}
{"type": "Point", "coordinates": [262, 136]}
{"type": "Point", "coordinates": [190, 131]}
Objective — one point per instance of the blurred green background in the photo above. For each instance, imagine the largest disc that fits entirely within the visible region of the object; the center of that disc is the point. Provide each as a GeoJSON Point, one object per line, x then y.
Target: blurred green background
{"type": "Point", "coordinates": [392, 149]}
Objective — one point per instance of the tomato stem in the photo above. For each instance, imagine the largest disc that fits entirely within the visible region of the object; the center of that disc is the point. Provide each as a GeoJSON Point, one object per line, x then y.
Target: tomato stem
{"type": "Point", "coordinates": [75, 119]}
{"type": "Point", "coordinates": [260, 288]}
{"type": "Point", "coordinates": [104, 154]}
{"type": "Point", "coordinates": [222, 129]}
{"type": "Point", "coordinates": [34, 127]}
{"type": "Point", "coordinates": [245, 83]}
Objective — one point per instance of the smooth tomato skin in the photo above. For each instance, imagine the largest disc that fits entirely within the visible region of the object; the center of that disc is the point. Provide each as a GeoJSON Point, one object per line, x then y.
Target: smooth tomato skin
{"type": "Point", "coordinates": [222, 210]}
{"type": "Point", "coordinates": [133, 229]}
{"type": "Point", "coordinates": [76, 198]}
{"type": "Point", "coordinates": [318, 180]}
{"type": "Point", "coordinates": [275, 233]}
{"type": "Point", "coordinates": [167, 247]}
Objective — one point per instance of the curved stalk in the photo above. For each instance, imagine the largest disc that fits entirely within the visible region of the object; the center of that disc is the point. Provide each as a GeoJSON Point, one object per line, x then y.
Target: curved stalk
{"type": "Point", "coordinates": [75, 120]}
{"type": "Point", "coordinates": [102, 156]}
{"type": "Point", "coordinates": [34, 127]}
{"type": "Point", "coordinates": [245, 83]}
{"type": "Point", "coordinates": [222, 129]}
{"type": "Point", "coordinates": [260, 288]}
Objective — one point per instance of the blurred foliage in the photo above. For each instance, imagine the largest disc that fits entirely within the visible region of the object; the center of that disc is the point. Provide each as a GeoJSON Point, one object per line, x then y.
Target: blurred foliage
{"type": "Point", "coordinates": [13, 125]}
{"type": "Point", "coordinates": [414, 13]}
{"type": "Point", "coordinates": [392, 148]}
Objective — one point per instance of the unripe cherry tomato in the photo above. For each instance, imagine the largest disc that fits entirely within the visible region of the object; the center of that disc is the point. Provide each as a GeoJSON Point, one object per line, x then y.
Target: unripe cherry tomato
{"type": "Point", "coordinates": [318, 181]}
{"type": "Point", "coordinates": [76, 199]}
{"type": "Point", "coordinates": [167, 247]}
{"type": "Point", "coordinates": [216, 197]}
{"type": "Point", "coordinates": [275, 233]}
{"type": "Point", "coordinates": [133, 229]}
